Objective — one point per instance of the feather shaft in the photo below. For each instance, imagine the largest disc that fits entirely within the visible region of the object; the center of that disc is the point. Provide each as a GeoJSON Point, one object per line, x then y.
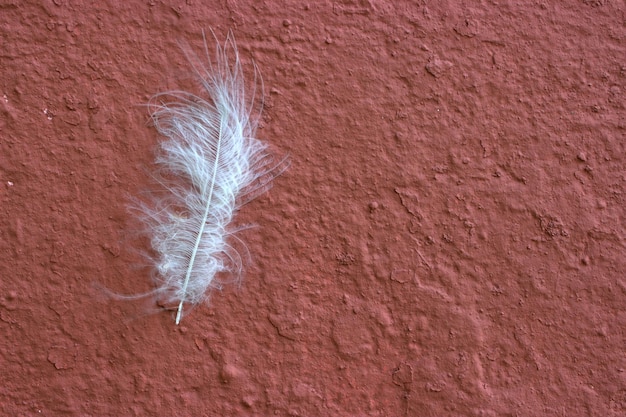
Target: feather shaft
{"type": "Point", "coordinates": [200, 232]}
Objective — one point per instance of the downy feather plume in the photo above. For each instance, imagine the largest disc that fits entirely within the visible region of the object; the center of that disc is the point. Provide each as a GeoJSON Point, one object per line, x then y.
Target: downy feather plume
{"type": "Point", "coordinates": [210, 163]}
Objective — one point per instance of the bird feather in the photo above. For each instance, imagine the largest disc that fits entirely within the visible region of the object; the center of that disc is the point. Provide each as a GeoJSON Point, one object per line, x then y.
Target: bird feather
{"type": "Point", "coordinates": [209, 163]}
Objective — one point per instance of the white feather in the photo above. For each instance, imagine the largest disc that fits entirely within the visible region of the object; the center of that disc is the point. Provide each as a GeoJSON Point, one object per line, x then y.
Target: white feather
{"type": "Point", "coordinates": [209, 161]}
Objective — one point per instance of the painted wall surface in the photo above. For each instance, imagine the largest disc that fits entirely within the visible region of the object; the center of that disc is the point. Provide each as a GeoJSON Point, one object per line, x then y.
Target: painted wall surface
{"type": "Point", "coordinates": [449, 239]}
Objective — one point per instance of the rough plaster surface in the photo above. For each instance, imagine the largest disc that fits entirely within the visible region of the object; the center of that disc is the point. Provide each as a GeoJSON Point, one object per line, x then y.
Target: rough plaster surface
{"type": "Point", "coordinates": [449, 239]}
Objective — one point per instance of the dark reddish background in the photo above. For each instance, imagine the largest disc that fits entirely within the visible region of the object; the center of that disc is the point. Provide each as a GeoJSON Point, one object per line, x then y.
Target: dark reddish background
{"type": "Point", "coordinates": [449, 239]}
